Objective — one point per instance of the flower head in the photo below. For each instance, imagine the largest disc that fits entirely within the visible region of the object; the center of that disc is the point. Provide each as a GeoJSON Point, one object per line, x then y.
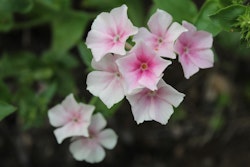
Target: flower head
{"type": "Point", "coordinates": [90, 148]}
{"type": "Point", "coordinates": [163, 34]}
{"type": "Point", "coordinates": [71, 118]}
{"type": "Point", "coordinates": [194, 49]}
{"type": "Point", "coordinates": [109, 33]}
{"type": "Point", "coordinates": [155, 105]}
{"type": "Point", "coordinates": [141, 68]}
{"type": "Point", "coordinates": [106, 82]}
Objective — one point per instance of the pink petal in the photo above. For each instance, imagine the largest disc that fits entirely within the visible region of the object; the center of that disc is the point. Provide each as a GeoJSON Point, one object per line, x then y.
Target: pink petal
{"type": "Point", "coordinates": [189, 68]}
{"type": "Point", "coordinates": [57, 116]}
{"type": "Point", "coordinates": [149, 81]}
{"type": "Point", "coordinates": [202, 58]}
{"type": "Point", "coordinates": [71, 129]}
{"type": "Point", "coordinates": [159, 22]}
{"type": "Point", "coordinates": [70, 104]}
{"type": "Point", "coordinates": [201, 40]}
{"type": "Point", "coordinates": [108, 138]}
{"type": "Point", "coordinates": [189, 26]}
{"type": "Point", "coordinates": [97, 123]}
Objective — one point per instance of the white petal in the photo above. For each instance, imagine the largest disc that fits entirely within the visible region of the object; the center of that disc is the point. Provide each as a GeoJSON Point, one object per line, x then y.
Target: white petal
{"type": "Point", "coordinates": [142, 35]}
{"type": "Point", "coordinates": [96, 154]}
{"type": "Point", "coordinates": [71, 129]}
{"type": "Point", "coordinates": [171, 95]}
{"type": "Point", "coordinates": [86, 112]}
{"type": "Point", "coordinates": [79, 150]}
{"type": "Point", "coordinates": [98, 122]}
{"type": "Point", "coordinates": [108, 138]}
{"type": "Point", "coordinates": [57, 116]}
{"type": "Point", "coordinates": [160, 110]}
{"type": "Point", "coordinates": [189, 26]}
{"type": "Point", "coordinates": [70, 104]}
{"type": "Point", "coordinates": [139, 107]}
{"type": "Point", "coordinates": [174, 31]}
{"type": "Point", "coordinates": [159, 22]}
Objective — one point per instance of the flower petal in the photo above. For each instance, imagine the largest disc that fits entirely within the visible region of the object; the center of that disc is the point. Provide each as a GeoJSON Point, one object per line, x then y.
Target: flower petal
{"type": "Point", "coordinates": [98, 122]}
{"type": "Point", "coordinates": [79, 149]}
{"type": "Point", "coordinates": [189, 68]}
{"type": "Point", "coordinates": [174, 31]}
{"type": "Point", "coordinates": [58, 116]}
{"type": "Point", "coordinates": [71, 129]}
{"type": "Point", "coordinates": [203, 58]}
{"type": "Point", "coordinates": [159, 22]}
{"type": "Point", "coordinates": [96, 154]}
{"type": "Point", "coordinates": [70, 104]}
{"type": "Point", "coordinates": [108, 138]}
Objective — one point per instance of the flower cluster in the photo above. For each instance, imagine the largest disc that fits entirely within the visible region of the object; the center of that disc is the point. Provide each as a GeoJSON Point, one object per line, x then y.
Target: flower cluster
{"type": "Point", "coordinates": [135, 72]}
{"type": "Point", "coordinates": [75, 120]}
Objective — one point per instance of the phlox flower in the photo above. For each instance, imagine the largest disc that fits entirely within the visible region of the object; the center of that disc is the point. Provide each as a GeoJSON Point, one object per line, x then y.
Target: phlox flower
{"type": "Point", "coordinates": [162, 34]}
{"type": "Point", "coordinates": [155, 105]}
{"type": "Point", "coordinates": [194, 49]}
{"type": "Point", "coordinates": [109, 33]}
{"type": "Point", "coordinates": [70, 118]}
{"type": "Point", "coordinates": [106, 81]}
{"type": "Point", "coordinates": [141, 68]}
{"type": "Point", "coordinates": [90, 148]}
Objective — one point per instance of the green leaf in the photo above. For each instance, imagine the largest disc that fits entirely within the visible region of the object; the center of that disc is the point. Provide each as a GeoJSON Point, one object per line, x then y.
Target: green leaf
{"type": "Point", "coordinates": [96, 4]}
{"type": "Point", "coordinates": [203, 21]}
{"type": "Point", "coordinates": [136, 12]}
{"type": "Point", "coordinates": [5, 110]}
{"type": "Point", "coordinates": [68, 29]}
{"type": "Point", "coordinates": [179, 9]}
{"type": "Point", "coordinates": [10, 6]}
{"type": "Point", "coordinates": [227, 17]}
{"type": "Point", "coordinates": [6, 21]}
{"type": "Point", "coordinates": [56, 4]}
{"type": "Point", "coordinates": [85, 54]}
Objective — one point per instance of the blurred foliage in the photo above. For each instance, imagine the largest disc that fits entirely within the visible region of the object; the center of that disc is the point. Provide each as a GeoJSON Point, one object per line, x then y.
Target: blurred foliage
{"type": "Point", "coordinates": [30, 80]}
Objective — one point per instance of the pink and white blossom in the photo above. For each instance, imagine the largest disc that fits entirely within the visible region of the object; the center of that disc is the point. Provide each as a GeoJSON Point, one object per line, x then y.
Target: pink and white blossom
{"type": "Point", "coordinates": [155, 105]}
{"type": "Point", "coordinates": [70, 118]}
{"type": "Point", "coordinates": [162, 34]}
{"type": "Point", "coordinates": [91, 148]}
{"type": "Point", "coordinates": [141, 68]}
{"type": "Point", "coordinates": [106, 81]}
{"type": "Point", "coordinates": [109, 33]}
{"type": "Point", "coordinates": [194, 49]}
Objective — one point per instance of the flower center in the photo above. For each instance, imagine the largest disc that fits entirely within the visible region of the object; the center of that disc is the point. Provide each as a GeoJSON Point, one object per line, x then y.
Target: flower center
{"type": "Point", "coordinates": [144, 66]}
{"type": "Point", "coordinates": [186, 50]}
{"type": "Point", "coordinates": [152, 93]}
{"type": "Point", "coordinates": [116, 38]}
{"type": "Point", "coordinates": [160, 40]}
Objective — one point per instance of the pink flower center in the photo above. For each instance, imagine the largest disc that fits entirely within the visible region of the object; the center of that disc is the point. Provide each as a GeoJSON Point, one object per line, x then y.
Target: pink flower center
{"type": "Point", "coordinates": [144, 66]}
{"type": "Point", "coordinates": [151, 93]}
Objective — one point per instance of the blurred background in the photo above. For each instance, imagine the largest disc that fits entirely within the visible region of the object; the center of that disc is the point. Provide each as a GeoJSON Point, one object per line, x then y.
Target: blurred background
{"type": "Point", "coordinates": [43, 58]}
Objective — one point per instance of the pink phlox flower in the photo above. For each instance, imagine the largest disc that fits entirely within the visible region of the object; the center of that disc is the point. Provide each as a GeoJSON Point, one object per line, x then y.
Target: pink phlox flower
{"type": "Point", "coordinates": [106, 81]}
{"type": "Point", "coordinates": [163, 34]}
{"type": "Point", "coordinates": [155, 105]}
{"type": "Point", "coordinates": [194, 49]}
{"type": "Point", "coordinates": [109, 33]}
{"type": "Point", "coordinates": [70, 118]}
{"type": "Point", "coordinates": [141, 68]}
{"type": "Point", "coordinates": [90, 148]}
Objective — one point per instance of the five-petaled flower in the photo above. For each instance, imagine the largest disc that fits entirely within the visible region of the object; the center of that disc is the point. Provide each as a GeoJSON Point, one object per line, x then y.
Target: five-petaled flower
{"type": "Point", "coordinates": [194, 49]}
{"type": "Point", "coordinates": [155, 105]}
{"type": "Point", "coordinates": [106, 82]}
{"type": "Point", "coordinates": [141, 68]}
{"type": "Point", "coordinates": [71, 118]}
{"type": "Point", "coordinates": [109, 33]}
{"type": "Point", "coordinates": [163, 34]}
{"type": "Point", "coordinates": [90, 148]}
